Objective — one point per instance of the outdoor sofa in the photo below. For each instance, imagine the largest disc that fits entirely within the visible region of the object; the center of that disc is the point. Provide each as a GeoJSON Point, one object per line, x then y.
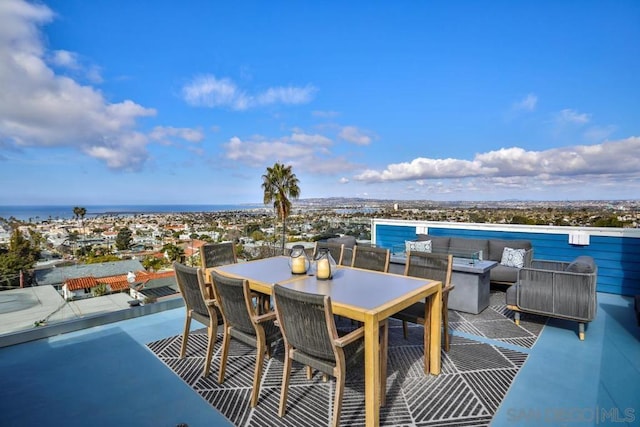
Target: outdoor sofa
{"type": "Point", "coordinates": [506, 272]}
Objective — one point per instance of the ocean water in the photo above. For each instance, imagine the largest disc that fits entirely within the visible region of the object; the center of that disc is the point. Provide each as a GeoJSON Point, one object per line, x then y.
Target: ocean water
{"type": "Point", "coordinates": [41, 213]}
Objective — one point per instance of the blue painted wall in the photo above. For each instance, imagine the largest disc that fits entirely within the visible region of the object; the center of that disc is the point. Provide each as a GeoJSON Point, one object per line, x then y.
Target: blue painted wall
{"type": "Point", "coordinates": [618, 258]}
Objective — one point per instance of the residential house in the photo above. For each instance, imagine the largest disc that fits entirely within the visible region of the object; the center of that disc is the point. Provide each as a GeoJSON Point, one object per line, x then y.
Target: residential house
{"type": "Point", "coordinates": [58, 276]}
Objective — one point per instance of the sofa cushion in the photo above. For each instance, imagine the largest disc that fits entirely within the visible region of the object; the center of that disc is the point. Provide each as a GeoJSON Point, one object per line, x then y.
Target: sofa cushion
{"type": "Point", "coordinates": [463, 245]}
{"type": "Point", "coordinates": [438, 244]}
{"type": "Point", "coordinates": [348, 241]}
{"type": "Point", "coordinates": [513, 257]}
{"type": "Point", "coordinates": [496, 247]}
{"type": "Point", "coordinates": [582, 264]}
{"type": "Point", "coordinates": [504, 274]}
{"type": "Point", "coordinates": [417, 246]}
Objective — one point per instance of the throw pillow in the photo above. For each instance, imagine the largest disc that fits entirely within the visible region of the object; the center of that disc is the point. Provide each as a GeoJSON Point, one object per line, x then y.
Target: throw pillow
{"type": "Point", "coordinates": [420, 246]}
{"type": "Point", "coordinates": [513, 257]}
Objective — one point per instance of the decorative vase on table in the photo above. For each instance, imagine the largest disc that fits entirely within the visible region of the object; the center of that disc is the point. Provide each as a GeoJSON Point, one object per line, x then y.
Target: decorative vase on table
{"type": "Point", "coordinates": [298, 260]}
{"type": "Point", "coordinates": [325, 265]}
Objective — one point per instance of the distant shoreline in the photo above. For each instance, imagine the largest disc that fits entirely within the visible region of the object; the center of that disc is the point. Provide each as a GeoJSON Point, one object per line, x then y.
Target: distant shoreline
{"type": "Point", "coordinates": [39, 213]}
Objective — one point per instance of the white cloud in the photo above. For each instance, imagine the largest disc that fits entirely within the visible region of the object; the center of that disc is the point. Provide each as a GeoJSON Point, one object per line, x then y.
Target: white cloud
{"type": "Point", "coordinates": [314, 139]}
{"type": "Point", "coordinates": [42, 108]}
{"type": "Point", "coordinates": [72, 62]}
{"type": "Point", "coordinates": [161, 133]}
{"type": "Point", "coordinates": [344, 180]}
{"type": "Point", "coordinates": [209, 91]}
{"type": "Point", "coordinates": [516, 164]}
{"type": "Point", "coordinates": [355, 135]}
{"type": "Point", "coordinates": [256, 152]}
{"type": "Point", "coordinates": [307, 152]}
{"type": "Point", "coordinates": [599, 133]}
{"type": "Point", "coordinates": [66, 59]}
{"type": "Point", "coordinates": [569, 116]}
{"type": "Point", "coordinates": [528, 103]}
{"type": "Point", "coordinates": [286, 95]}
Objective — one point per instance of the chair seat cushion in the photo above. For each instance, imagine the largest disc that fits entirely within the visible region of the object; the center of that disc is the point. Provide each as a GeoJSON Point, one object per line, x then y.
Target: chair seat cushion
{"type": "Point", "coordinates": [353, 355]}
{"type": "Point", "coordinates": [271, 332]}
{"type": "Point", "coordinates": [503, 273]}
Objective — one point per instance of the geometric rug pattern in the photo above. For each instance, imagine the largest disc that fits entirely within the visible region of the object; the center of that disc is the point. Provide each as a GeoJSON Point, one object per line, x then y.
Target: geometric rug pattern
{"type": "Point", "coordinates": [474, 379]}
{"type": "Point", "coordinates": [496, 322]}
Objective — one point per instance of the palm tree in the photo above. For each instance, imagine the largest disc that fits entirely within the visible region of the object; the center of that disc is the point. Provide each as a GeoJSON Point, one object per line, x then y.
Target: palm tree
{"type": "Point", "coordinates": [280, 184]}
{"type": "Point", "coordinates": [80, 212]}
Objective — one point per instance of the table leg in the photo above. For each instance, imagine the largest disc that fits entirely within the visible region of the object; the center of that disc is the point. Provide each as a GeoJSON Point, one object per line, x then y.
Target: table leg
{"type": "Point", "coordinates": [426, 331]}
{"type": "Point", "coordinates": [372, 371]}
{"type": "Point", "coordinates": [435, 317]}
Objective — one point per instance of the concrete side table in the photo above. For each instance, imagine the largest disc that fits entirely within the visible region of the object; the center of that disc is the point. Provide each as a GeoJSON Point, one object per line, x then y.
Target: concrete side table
{"type": "Point", "coordinates": [472, 285]}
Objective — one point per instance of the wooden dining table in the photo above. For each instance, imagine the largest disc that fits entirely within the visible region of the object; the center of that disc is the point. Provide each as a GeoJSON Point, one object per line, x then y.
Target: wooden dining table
{"type": "Point", "coordinates": [363, 295]}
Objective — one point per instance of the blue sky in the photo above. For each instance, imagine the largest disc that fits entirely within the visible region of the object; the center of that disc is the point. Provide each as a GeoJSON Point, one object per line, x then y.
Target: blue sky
{"type": "Point", "coordinates": [133, 102]}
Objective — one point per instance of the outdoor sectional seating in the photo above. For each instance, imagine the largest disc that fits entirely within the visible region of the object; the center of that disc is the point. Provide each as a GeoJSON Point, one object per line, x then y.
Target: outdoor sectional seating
{"type": "Point", "coordinates": [557, 289]}
{"type": "Point", "coordinates": [490, 249]}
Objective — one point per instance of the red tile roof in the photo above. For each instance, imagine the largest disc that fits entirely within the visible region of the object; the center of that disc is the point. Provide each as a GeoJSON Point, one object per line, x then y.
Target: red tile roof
{"type": "Point", "coordinates": [145, 276]}
{"type": "Point", "coordinates": [116, 283]}
{"type": "Point", "coordinates": [81, 283]}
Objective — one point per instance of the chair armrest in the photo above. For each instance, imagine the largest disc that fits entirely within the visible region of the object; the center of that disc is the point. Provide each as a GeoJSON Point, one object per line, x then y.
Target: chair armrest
{"type": "Point", "coordinates": [350, 337]}
{"type": "Point", "coordinates": [265, 317]}
{"type": "Point", "coordinates": [543, 264]}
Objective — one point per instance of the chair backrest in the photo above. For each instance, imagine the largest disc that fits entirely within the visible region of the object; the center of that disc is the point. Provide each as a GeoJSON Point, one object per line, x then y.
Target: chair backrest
{"type": "Point", "coordinates": [335, 249]}
{"type": "Point", "coordinates": [234, 302]}
{"type": "Point", "coordinates": [306, 321]}
{"type": "Point", "coordinates": [371, 258]}
{"type": "Point", "coordinates": [426, 265]}
{"type": "Point", "coordinates": [191, 284]}
{"type": "Point", "coordinates": [267, 251]}
{"type": "Point", "coordinates": [216, 254]}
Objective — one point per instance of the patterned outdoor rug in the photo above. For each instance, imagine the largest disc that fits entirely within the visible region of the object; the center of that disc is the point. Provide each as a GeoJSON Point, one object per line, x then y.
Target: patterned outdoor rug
{"type": "Point", "coordinates": [475, 378]}
{"type": "Point", "coordinates": [496, 323]}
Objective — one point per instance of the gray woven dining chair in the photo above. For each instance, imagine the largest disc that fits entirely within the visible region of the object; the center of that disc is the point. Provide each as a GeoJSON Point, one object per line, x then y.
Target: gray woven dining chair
{"type": "Point", "coordinates": [311, 338]}
{"type": "Point", "coordinates": [199, 307]}
{"type": "Point", "coordinates": [335, 249]}
{"type": "Point", "coordinates": [217, 254]}
{"type": "Point", "coordinates": [371, 258]}
{"type": "Point", "coordinates": [242, 322]}
{"type": "Point", "coordinates": [432, 266]}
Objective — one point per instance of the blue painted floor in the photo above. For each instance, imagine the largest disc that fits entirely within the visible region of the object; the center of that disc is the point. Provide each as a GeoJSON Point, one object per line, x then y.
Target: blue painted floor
{"type": "Point", "coordinates": [570, 382]}
{"type": "Point", "coordinates": [105, 376]}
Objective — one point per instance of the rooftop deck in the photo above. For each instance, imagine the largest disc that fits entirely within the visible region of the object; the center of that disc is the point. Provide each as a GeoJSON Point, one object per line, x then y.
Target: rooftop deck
{"type": "Point", "coordinates": [106, 375]}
